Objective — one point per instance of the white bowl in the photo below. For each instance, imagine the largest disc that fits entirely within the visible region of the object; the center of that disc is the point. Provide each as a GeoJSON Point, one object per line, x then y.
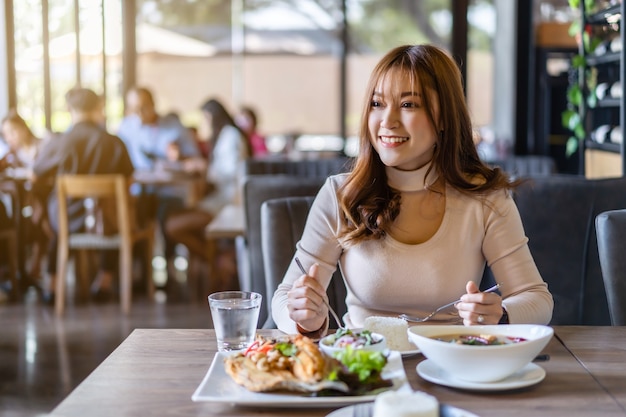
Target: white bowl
{"type": "Point", "coordinates": [481, 363]}
{"type": "Point", "coordinates": [379, 345]}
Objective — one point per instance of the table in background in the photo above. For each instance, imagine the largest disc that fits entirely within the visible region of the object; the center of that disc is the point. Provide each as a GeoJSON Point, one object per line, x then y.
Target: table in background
{"type": "Point", "coordinates": [229, 223]}
{"type": "Point", "coordinates": [192, 185]}
{"type": "Point", "coordinates": [155, 372]}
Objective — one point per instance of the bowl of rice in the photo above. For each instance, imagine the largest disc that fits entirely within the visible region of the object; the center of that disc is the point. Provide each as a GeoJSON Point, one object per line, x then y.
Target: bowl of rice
{"type": "Point", "coordinates": [394, 329]}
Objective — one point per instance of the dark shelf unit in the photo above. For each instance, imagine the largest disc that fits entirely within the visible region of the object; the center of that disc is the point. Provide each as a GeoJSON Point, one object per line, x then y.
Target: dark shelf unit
{"type": "Point", "coordinates": [610, 67]}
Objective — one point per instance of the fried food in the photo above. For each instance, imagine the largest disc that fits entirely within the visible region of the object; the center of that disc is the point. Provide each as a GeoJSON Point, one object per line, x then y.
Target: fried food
{"type": "Point", "coordinates": [294, 364]}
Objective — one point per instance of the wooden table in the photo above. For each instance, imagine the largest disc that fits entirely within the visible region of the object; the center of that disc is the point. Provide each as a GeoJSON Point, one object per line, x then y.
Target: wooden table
{"type": "Point", "coordinates": [602, 351]}
{"type": "Point", "coordinates": [154, 372]}
{"type": "Point", "coordinates": [192, 185]}
{"type": "Point", "coordinates": [229, 223]}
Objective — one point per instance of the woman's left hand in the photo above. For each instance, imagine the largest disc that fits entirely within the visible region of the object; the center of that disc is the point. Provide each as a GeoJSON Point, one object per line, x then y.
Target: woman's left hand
{"type": "Point", "coordinates": [478, 307]}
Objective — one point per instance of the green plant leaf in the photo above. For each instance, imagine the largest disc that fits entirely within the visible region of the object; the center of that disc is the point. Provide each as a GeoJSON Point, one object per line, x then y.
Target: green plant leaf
{"type": "Point", "coordinates": [571, 146]}
{"type": "Point", "coordinates": [579, 131]}
{"type": "Point", "coordinates": [578, 61]}
{"type": "Point", "coordinates": [570, 119]}
{"type": "Point", "coordinates": [592, 100]}
{"type": "Point", "coordinates": [574, 95]}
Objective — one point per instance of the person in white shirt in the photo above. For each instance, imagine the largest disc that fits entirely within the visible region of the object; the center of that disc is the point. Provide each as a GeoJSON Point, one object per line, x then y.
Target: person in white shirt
{"type": "Point", "coordinates": [418, 218]}
{"type": "Point", "coordinates": [229, 148]}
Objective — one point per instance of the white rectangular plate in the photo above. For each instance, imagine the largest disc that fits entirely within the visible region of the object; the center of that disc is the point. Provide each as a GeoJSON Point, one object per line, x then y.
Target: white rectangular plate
{"type": "Point", "coordinates": [217, 386]}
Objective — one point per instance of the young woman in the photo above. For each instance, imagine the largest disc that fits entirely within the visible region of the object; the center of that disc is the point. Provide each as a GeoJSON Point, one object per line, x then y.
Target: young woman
{"type": "Point", "coordinates": [415, 222]}
{"type": "Point", "coordinates": [230, 147]}
{"type": "Point", "coordinates": [23, 149]}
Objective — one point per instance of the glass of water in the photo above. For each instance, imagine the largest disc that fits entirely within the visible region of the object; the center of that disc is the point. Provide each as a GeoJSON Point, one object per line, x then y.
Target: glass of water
{"type": "Point", "coordinates": [235, 315]}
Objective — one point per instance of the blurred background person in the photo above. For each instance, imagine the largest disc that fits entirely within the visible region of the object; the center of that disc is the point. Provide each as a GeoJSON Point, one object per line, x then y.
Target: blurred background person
{"type": "Point", "coordinates": [23, 149]}
{"type": "Point", "coordinates": [230, 147]}
{"type": "Point", "coordinates": [147, 134]}
{"type": "Point", "coordinates": [85, 148]}
{"type": "Point", "coordinates": [247, 121]}
{"type": "Point", "coordinates": [155, 141]}
{"type": "Point", "coordinates": [22, 144]}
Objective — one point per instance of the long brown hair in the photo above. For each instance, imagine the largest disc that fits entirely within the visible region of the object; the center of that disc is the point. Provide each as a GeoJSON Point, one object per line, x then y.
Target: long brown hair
{"type": "Point", "coordinates": [220, 118]}
{"type": "Point", "coordinates": [16, 120]}
{"type": "Point", "coordinates": [369, 205]}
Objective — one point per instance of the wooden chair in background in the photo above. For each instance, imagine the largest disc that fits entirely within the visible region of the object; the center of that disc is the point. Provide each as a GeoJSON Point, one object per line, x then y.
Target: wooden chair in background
{"type": "Point", "coordinates": [112, 189]}
{"type": "Point", "coordinates": [9, 237]}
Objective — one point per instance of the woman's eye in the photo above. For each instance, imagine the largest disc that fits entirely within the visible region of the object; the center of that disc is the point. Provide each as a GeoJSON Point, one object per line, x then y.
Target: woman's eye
{"type": "Point", "coordinates": [375, 103]}
{"type": "Point", "coordinates": [409, 105]}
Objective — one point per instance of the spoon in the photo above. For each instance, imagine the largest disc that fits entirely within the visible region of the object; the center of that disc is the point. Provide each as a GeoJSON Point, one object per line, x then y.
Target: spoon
{"type": "Point", "coordinates": [428, 317]}
{"type": "Point", "coordinates": [332, 312]}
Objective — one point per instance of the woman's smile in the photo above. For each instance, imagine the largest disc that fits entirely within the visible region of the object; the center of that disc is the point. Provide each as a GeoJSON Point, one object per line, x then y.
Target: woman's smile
{"type": "Point", "coordinates": [390, 141]}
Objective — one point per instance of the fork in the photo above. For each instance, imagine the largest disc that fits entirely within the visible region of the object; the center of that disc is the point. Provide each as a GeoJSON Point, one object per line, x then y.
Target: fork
{"type": "Point", "coordinates": [443, 307]}
{"type": "Point", "coordinates": [332, 312]}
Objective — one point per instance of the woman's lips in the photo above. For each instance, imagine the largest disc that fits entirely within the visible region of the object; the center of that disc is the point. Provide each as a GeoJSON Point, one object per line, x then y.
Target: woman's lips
{"type": "Point", "coordinates": [393, 140]}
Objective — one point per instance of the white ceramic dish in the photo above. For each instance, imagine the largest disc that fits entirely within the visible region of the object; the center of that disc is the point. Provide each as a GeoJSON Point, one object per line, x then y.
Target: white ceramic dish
{"type": "Point", "coordinates": [217, 386]}
{"type": "Point", "coordinates": [529, 375]}
{"type": "Point", "coordinates": [407, 353]}
{"type": "Point", "coordinates": [326, 343]}
{"type": "Point", "coordinates": [444, 411]}
{"type": "Point", "coordinates": [481, 363]}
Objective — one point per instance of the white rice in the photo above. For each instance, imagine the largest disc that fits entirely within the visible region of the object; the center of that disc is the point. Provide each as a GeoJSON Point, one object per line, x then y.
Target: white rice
{"type": "Point", "coordinates": [394, 329]}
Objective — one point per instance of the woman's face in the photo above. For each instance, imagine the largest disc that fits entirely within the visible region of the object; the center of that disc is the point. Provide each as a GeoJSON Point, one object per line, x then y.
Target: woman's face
{"type": "Point", "coordinates": [13, 135]}
{"type": "Point", "coordinates": [399, 126]}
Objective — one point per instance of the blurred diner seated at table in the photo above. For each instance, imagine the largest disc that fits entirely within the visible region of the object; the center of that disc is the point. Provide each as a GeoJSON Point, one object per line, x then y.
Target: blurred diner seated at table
{"type": "Point", "coordinates": [6, 222]}
{"type": "Point", "coordinates": [229, 148]}
{"type": "Point", "coordinates": [150, 139]}
{"type": "Point", "coordinates": [418, 218]}
{"type": "Point", "coordinates": [23, 145]}
{"type": "Point", "coordinates": [84, 148]}
{"type": "Point", "coordinates": [247, 121]}
{"type": "Point", "coordinates": [23, 148]}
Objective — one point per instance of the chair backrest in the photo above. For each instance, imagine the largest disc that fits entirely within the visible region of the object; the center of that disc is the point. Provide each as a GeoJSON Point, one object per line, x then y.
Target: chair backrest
{"type": "Point", "coordinates": [526, 165]}
{"type": "Point", "coordinates": [311, 168]}
{"type": "Point", "coordinates": [611, 231]}
{"type": "Point", "coordinates": [282, 224]}
{"type": "Point", "coordinates": [111, 190]}
{"type": "Point", "coordinates": [256, 190]}
{"type": "Point", "coordinates": [558, 213]}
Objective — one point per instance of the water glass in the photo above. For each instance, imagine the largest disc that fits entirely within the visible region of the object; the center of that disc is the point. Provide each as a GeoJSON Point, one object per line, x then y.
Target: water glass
{"type": "Point", "coordinates": [235, 315]}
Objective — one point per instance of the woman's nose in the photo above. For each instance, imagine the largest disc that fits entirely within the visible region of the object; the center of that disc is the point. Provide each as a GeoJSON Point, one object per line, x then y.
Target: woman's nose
{"type": "Point", "coordinates": [389, 119]}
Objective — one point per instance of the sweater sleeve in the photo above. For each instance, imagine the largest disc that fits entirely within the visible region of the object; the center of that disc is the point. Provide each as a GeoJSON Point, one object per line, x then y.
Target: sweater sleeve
{"type": "Point", "coordinates": [319, 244]}
{"type": "Point", "coordinates": [505, 246]}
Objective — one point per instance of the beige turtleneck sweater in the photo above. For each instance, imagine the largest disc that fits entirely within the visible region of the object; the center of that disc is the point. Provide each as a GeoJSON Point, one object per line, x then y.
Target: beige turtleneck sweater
{"type": "Point", "coordinates": [388, 277]}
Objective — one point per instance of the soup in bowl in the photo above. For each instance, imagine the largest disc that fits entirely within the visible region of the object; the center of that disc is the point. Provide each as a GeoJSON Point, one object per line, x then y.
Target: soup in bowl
{"type": "Point", "coordinates": [481, 353]}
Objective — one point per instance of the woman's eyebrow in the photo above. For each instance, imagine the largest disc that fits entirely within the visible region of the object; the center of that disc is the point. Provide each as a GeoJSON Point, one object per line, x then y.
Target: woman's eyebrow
{"type": "Point", "coordinates": [402, 95]}
{"type": "Point", "coordinates": [410, 93]}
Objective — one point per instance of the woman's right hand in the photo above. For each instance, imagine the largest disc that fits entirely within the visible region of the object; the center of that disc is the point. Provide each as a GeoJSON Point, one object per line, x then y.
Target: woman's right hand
{"type": "Point", "coordinates": [305, 302]}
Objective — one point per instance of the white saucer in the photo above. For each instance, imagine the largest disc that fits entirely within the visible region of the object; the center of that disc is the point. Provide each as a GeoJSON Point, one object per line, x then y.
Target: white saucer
{"type": "Point", "coordinates": [368, 408]}
{"type": "Point", "coordinates": [529, 375]}
{"type": "Point", "coordinates": [406, 353]}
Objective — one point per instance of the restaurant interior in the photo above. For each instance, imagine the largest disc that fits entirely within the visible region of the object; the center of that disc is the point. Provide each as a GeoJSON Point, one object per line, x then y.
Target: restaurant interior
{"type": "Point", "coordinates": [542, 82]}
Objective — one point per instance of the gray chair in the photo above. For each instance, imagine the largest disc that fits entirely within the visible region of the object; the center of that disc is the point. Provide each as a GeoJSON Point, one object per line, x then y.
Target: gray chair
{"type": "Point", "coordinates": [282, 224]}
{"type": "Point", "coordinates": [526, 165]}
{"type": "Point", "coordinates": [306, 168]}
{"type": "Point", "coordinates": [274, 179]}
{"type": "Point", "coordinates": [611, 232]}
{"type": "Point", "coordinates": [256, 190]}
{"type": "Point", "coordinates": [558, 213]}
